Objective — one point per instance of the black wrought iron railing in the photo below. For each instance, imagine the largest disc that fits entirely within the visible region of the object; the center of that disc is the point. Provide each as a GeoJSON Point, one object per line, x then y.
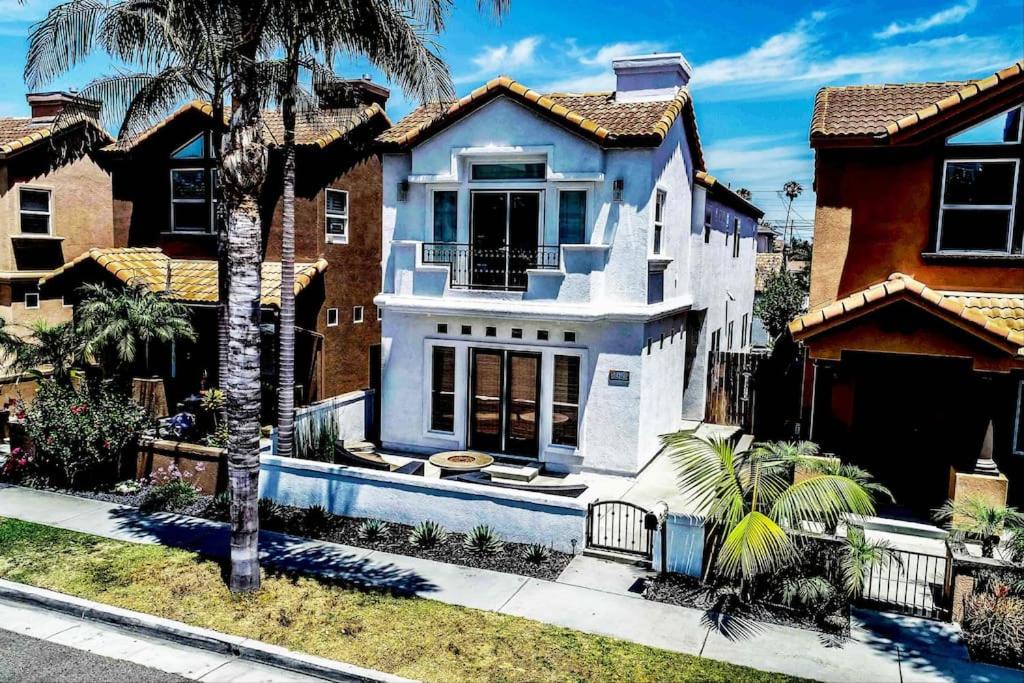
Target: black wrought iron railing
{"type": "Point", "coordinates": [502, 268]}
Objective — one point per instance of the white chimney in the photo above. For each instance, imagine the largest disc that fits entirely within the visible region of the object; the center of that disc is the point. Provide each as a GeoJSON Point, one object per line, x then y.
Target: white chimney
{"type": "Point", "coordinates": [650, 77]}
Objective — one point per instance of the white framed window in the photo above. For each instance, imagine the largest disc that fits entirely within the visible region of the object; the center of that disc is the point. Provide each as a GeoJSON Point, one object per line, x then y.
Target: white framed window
{"type": "Point", "coordinates": [31, 299]}
{"type": "Point", "coordinates": [332, 317]}
{"type": "Point", "coordinates": [659, 220]}
{"type": "Point", "coordinates": [191, 202]}
{"type": "Point", "coordinates": [1018, 430]}
{"type": "Point", "coordinates": [565, 403]}
{"type": "Point", "coordinates": [336, 215]}
{"type": "Point", "coordinates": [442, 389]}
{"type": "Point", "coordinates": [508, 170]}
{"type": "Point", "coordinates": [34, 206]}
{"type": "Point", "coordinates": [357, 314]}
{"type": "Point", "coordinates": [977, 205]}
{"type": "Point", "coordinates": [572, 216]}
{"type": "Point", "coordinates": [445, 215]}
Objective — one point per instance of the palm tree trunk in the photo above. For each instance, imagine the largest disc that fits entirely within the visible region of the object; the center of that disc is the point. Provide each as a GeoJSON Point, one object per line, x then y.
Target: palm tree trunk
{"type": "Point", "coordinates": [220, 226]}
{"type": "Point", "coordinates": [245, 168]}
{"type": "Point", "coordinates": [286, 333]}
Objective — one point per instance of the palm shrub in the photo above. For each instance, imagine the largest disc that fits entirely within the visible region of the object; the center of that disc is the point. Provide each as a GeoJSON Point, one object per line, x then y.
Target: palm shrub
{"type": "Point", "coordinates": [975, 518]}
{"type": "Point", "coordinates": [483, 541]}
{"type": "Point", "coordinates": [428, 534]}
{"type": "Point", "coordinates": [537, 553]}
{"type": "Point", "coordinates": [752, 502]}
{"type": "Point", "coordinates": [45, 350]}
{"type": "Point", "coordinates": [372, 530]}
{"type": "Point", "coordinates": [860, 555]}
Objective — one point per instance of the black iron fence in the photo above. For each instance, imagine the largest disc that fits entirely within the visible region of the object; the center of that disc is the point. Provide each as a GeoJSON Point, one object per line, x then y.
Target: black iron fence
{"type": "Point", "coordinates": [908, 582]}
{"type": "Point", "coordinates": [503, 268]}
{"type": "Point", "coordinates": [619, 526]}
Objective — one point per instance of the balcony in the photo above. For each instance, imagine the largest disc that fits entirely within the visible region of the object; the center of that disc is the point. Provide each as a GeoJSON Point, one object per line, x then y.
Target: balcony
{"type": "Point", "coordinates": [501, 268]}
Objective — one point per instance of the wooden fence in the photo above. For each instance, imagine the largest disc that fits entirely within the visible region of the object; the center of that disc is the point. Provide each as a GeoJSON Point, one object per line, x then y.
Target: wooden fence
{"type": "Point", "coordinates": [733, 388]}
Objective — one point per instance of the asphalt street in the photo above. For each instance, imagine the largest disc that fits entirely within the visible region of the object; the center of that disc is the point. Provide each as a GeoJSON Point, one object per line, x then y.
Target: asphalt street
{"type": "Point", "coordinates": [24, 659]}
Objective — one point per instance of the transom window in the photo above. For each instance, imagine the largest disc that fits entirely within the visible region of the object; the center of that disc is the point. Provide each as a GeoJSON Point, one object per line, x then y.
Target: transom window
{"type": "Point", "coordinates": [508, 171]}
{"type": "Point", "coordinates": [336, 215]}
{"type": "Point", "coordinates": [981, 187]}
{"type": "Point", "coordinates": [34, 206]}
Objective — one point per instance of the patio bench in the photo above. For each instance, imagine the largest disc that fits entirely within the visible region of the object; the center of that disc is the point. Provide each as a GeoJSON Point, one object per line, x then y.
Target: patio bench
{"type": "Point", "coordinates": [484, 479]}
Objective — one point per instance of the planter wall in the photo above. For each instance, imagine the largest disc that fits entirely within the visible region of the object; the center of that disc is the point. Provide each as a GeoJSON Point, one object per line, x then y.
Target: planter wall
{"type": "Point", "coordinates": [156, 453]}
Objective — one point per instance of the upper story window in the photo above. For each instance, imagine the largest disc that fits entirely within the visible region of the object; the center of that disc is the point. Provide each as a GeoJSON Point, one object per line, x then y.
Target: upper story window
{"type": "Point", "coordinates": [508, 171]}
{"type": "Point", "coordinates": [981, 188]}
{"type": "Point", "coordinates": [34, 207]}
{"type": "Point", "coordinates": [659, 220]}
{"type": "Point", "coordinates": [446, 211]}
{"type": "Point", "coordinates": [572, 216]}
{"type": "Point", "coordinates": [735, 237]}
{"type": "Point", "coordinates": [193, 186]}
{"type": "Point", "coordinates": [336, 215]}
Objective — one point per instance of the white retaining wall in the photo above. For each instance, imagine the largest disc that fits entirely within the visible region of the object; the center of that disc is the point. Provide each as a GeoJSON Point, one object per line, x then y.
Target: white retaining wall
{"type": "Point", "coordinates": [352, 411]}
{"type": "Point", "coordinates": [521, 517]}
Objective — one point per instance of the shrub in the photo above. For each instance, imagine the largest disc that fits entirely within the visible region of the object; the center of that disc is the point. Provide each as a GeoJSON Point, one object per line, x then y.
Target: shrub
{"type": "Point", "coordinates": [128, 487]}
{"type": "Point", "coordinates": [537, 553]}
{"type": "Point", "coordinates": [373, 530]}
{"type": "Point", "coordinates": [993, 627]}
{"type": "Point", "coordinates": [483, 541]}
{"type": "Point", "coordinates": [428, 534]}
{"type": "Point", "coordinates": [171, 495]}
{"type": "Point", "coordinates": [316, 519]}
{"type": "Point", "coordinates": [81, 437]}
{"type": "Point", "coordinates": [270, 512]}
{"type": "Point", "coordinates": [220, 506]}
{"type": "Point", "coordinates": [18, 465]}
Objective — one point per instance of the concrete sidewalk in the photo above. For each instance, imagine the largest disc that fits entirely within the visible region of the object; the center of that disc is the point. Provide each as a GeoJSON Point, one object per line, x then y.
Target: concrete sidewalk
{"type": "Point", "coordinates": [589, 596]}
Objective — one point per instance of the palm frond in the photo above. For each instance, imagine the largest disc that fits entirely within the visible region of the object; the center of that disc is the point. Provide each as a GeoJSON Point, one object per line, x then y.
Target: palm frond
{"type": "Point", "coordinates": [756, 545]}
{"type": "Point", "coordinates": [61, 40]}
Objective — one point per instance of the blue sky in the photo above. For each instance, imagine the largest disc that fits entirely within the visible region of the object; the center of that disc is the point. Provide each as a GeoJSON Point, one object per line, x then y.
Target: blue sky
{"type": "Point", "coordinates": [757, 64]}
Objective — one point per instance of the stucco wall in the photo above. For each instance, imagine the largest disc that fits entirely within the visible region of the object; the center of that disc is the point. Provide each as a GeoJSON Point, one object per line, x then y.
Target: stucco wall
{"type": "Point", "coordinates": [662, 394]}
{"type": "Point", "coordinates": [515, 516]}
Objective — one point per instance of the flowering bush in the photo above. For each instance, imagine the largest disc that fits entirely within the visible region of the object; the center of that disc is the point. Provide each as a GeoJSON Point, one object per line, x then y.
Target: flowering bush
{"type": "Point", "coordinates": [169, 488]}
{"type": "Point", "coordinates": [18, 465]}
{"type": "Point", "coordinates": [80, 437]}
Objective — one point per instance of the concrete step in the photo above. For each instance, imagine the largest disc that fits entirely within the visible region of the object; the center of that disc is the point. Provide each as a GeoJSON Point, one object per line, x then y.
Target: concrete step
{"type": "Point", "coordinates": [744, 443]}
{"type": "Point", "coordinates": [360, 447]}
{"type": "Point", "coordinates": [513, 472]}
{"type": "Point", "coordinates": [899, 526]}
{"type": "Point", "coordinates": [612, 556]}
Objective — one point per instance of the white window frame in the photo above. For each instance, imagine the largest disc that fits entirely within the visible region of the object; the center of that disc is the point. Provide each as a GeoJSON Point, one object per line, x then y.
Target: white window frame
{"type": "Point", "coordinates": [48, 213]}
{"type": "Point", "coordinates": [330, 237]}
{"type": "Point", "coordinates": [497, 160]}
{"type": "Point", "coordinates": [1012, 206]}
{"type": "Point", "coordinates": [26, 300]}
{"type": "Point", "coordinates": [332, 312]}
{"type": "Point", "coordinates": [1018, 425]}
{"type": "Point", "coordinates": [209, 190]}
{"type": "Point", "coordinates": [1020, 131]}
{"type": "Point", "coordinates": [658, 222]}
{"type": "Point", "coordinates": [579, 399]}
{"type": "Point", "coordinates": [358, 315]}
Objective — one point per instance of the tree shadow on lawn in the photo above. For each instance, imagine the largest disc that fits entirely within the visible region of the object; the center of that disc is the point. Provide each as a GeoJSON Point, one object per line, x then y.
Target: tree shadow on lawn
{"type": "Point", "coordinates": [328, 562]}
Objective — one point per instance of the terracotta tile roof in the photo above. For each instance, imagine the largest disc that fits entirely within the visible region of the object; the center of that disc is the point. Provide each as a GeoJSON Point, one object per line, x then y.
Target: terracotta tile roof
{"type": "Point", "coordinates": [319, 130]}
{"type": "Point", "coordinates": [885, 110]}
{"type": "Point", "coordinates": [191, 280]}
{"type": "Point", "coordinates": [765, 265]}
{"type": "Point", "coordinates": [595, 115]}
{"type": "Point", "coordinates": [724, 191]}
{"type": "Point", "coordinates": [17, 133]}
{"type": "Point", "coordinates": [1000, 316]}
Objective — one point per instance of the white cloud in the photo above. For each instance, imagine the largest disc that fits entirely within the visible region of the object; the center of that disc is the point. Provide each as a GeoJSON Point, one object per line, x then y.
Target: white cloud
{"type": "Point", "coordinates": [493, 60]}
{"type": "Point", "coordinates": [950, 15]}
{"type": "Point", "coordinates": [604, 55]}
{"type": "Point", "coordinates": [590, 68]}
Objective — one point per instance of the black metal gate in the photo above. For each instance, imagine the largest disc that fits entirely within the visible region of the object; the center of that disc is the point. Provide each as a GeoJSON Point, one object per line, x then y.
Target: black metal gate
{"type": "Point", "coordinates": [911, 583]}
{"type": "Point", "coordinates": [619, 526]}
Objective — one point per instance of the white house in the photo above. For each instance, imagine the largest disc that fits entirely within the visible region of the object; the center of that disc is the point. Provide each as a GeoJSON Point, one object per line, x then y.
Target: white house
{"type": "Point", "coordinates": [545, 285]}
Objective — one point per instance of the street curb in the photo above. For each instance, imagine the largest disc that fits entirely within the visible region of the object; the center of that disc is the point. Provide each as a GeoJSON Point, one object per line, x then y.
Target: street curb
{"type": "Point", "coordinates": [193, 636]}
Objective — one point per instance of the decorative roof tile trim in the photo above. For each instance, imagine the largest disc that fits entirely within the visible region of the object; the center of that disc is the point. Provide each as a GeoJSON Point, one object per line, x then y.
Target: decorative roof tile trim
{"type": "Point", "coordinates": [712, 183]}
{"type": "Point", "coordinates": [957, 304]}
{"type": "Point", "coordinates": [336, 134]}
{"type": "Point", "coordinates": [21, 143]}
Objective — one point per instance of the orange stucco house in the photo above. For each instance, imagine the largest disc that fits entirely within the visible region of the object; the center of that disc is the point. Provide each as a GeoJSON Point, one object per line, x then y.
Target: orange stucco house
{"type": "Point", "coordinates": [915, 334]}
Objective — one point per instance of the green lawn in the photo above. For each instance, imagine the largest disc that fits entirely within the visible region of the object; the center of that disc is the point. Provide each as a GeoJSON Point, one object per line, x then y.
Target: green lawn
{"type": "Point", "coordinates": [412, 637]}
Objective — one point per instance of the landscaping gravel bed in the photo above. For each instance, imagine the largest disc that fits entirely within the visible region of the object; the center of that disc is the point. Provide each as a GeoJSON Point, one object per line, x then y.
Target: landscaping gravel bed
{"type": "Point", "coordinates": [687, 591]}
{"type": "Point", "coordinates": [345, 530]}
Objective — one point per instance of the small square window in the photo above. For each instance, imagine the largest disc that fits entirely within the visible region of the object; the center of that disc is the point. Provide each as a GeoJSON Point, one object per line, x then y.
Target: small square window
{"type": "Point", "coordinates": [31, 300]}
{"type": "Point", "coordinates": [542, 335]}
{"type": "Point", "coordinates": [357, 314]}
{"type": "Point", "coordinates": [517, 333]}
{"type": "Point", "coordinates": [332, 317]}
{"type": "Point", "coordinates": [570, 337]}
{"type": "Point", "coordinates": [491, 332]}
{"type": "Point", "coordinates": [442, 328]}
{"type": "Point", "coordinates": [467, 329]}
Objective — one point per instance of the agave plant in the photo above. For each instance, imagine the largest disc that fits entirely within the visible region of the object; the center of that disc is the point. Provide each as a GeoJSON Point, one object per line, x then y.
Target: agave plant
{"type": "Point", "coordinates": [752, 501]}
{"type": "Point", "coordinates": [316, 519]}
{"type": "Point", "coordinates": [372, 530]}
{"type": "Point", "coordinates": [428, 534]}
{"type": "Point", "coordinates": [483, 541]}
{"type": "Point", "coordinates": [976, 518]}
{"type": "Point", "coordinates": [537, 553]}
{"type": "Point", "coordinates": [270, 511]}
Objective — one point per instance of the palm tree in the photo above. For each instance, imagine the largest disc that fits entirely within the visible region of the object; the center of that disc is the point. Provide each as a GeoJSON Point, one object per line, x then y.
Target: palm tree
{"type": "Point", "coordinates": [792, 189]}
{"type": "Point", "coordinates": [116, 324]}
{"type": "Point", "coordinates": [47, 349]}
{"type": "Point", "coordinates": [977, 518]}
{"type": "Point", "coordinates": [752, 502]}
{"type": "Point", "coordinates": [860, 555]}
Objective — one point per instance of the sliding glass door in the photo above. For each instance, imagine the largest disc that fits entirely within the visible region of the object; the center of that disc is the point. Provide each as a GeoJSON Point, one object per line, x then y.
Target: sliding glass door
{"type": "Point", "coordinates": [504, 401]}
{"type": "Point", "coordinates": [504, 226]}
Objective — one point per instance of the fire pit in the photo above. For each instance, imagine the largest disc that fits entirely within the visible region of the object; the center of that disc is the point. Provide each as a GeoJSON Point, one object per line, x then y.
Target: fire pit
{"type": "Point", "coordinates": [458, 462]}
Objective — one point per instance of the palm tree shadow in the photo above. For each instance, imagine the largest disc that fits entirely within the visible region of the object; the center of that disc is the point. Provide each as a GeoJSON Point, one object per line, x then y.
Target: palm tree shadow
{"type": "Point", "coordinates": [723, 618]}
{"type": "Point", "coordinates": [280, 554]}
